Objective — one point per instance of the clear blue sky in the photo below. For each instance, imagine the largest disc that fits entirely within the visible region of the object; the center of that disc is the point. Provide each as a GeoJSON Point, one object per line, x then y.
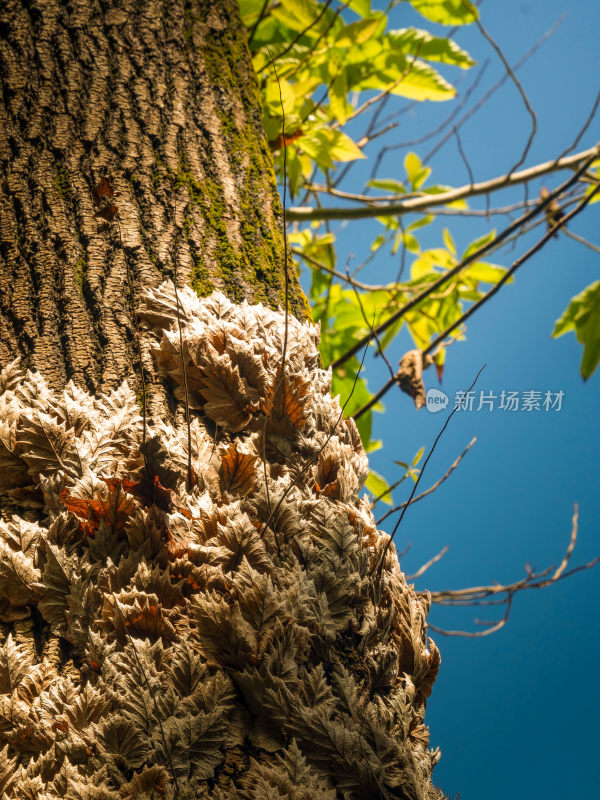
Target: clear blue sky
{"type": "Point", "coordinates": [514, 713]}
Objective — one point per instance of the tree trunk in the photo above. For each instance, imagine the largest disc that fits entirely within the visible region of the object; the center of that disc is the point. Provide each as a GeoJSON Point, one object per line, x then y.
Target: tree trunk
{"type": "Point", "coordinates": [130, 147]}
{"type": "Point", "coordinates": [194, 602]}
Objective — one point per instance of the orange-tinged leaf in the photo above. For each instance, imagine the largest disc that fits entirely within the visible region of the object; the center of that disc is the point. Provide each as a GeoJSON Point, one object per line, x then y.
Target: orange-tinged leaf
{"type": "Point", "coordinates": [285, 399]}
{"type": "Point", "coordinates": [114, 509]}
{"type": "Point", "coordinates": [150, 491]}
{"type": "Point", "coordinates": [238, 471]}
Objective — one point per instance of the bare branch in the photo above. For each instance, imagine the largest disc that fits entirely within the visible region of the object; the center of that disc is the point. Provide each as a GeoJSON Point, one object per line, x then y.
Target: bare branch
{"type": "Point", "coordinates": [584, 127]}
{"type": "Point", "coordinates": [370, 326]}
{"type": "Point", "coordinates": [379, 567]}
{"type": "Point", "coordinates": [431, 488]}
{"type": "Point", "coordinates": [422, 570]}
{"type": "Point", "coordinates": [477, 634]}
{"type": "Point", "coordinates": [411, 142]}
{"type": "Point", "coordinates": [503, 594]}
{"type": "Point", "coordinates": [510, 72]}
{"type": "Point", "coordinates": [376, 397]}
{"type": "Point", "coordinates": [510, 272]}
{"type": "Point", "coordinates": [425, 202]}
{"type": "Point", "coordinates": [480, 103]}
{"type": "Point", "coordinates": [581, 240]}
{"type": "Point", "coordinates": [475, 256]}
{"type": "Point", "coordinates": [315, 264]}
{"type": "Point", "coordinates": [569, 551]}
{"type": "Point", "coordinates": [463, 156]}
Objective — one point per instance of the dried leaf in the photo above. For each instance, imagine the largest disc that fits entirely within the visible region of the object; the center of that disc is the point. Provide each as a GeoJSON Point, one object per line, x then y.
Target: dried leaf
{"type": "Point", "coordinates": [238, 471]}
{"type": "Point", "coordinates": [227, 401]}
{"type": "Point", "coordinates": [410, 375]}
{"type": "Point", "coordinates": [48, 446]}
{"type": "Point", "coordinates": [285, 399]}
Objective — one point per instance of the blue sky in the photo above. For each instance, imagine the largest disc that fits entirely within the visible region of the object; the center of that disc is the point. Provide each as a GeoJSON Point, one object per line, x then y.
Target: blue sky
{"type": "Point", "coordinates": [514, 713]}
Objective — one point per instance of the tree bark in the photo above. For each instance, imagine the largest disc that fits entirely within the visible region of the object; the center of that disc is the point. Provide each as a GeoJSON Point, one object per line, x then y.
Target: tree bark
{"type": "Point", "coordinates": [131, 148]}
{"type": "Point", "coordinates": [200, 610]}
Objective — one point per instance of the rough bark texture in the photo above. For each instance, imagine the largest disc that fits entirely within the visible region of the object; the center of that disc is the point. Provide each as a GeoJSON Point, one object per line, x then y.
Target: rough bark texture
{"type": "Point", "coordinates": [130, 146]}
{"type": "Point", "coordinates": [203, 612]}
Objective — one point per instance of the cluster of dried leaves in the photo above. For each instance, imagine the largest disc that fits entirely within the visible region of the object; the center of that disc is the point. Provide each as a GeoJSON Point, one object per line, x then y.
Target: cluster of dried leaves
{"type": "Point", "coordinates": [232, 639]}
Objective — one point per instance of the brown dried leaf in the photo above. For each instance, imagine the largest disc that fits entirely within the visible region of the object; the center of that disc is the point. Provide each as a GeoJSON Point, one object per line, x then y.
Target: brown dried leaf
{"type": "Point", "coordinates": [47, 446]}
{"type": "Point", "coordinates": [101, 191]}
{"type": "Point", "coordinates": [435, 659]}
{"type": "Point", "coordinates": [238, 471]}
{"type": "Point", "coordinates": [228, 401]}
{"type": "Point", "coordinates": [15, 663]}
{"type": "Point", "coordinates": [17, 577]}
{"type": "Point", "coordinates": [150, 782]}
{"type": "Point", "coordinates": [410, 375]}
{"type": "Point", "coordinates": [285, 399]}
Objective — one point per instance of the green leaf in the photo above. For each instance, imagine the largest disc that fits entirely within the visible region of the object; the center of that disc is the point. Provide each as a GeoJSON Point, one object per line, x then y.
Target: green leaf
{"type": "Point", "coordinates": [414, 41]}
{"type": "Point", "coordinates": [378, 242]}
{"type": "Point", "coordinates": [361, 31]}
{"type": "Point", "coordinates": [327, 146]}
{"type": "Point", "coordinates": [449, 241]}
{"type": "Point", "coordinates": [583, 316]}
{"type": "Point", "coordinates": [250, 11]}
{"type": "Point", "coordinates": [487, 273]}
{"type": "Point", "coordinates": [417, 174]}
{"type": "Point", "coordinates": [480, 242]}
{"type": "Point", "coordinates": [410, 242]}
{"type": "Point", "coordinates": [418, 457]}
{"type": "Point", "coordinates": [342, 148]}
{"type": "Point", "coordinates": [388, 185]}
{"type": "Point", "coordinates": [379, 487]}
{"type": "Point", "coordinates": [447, 12]}
{"type": "Point", "coordinates": [278, 93]}
{"type": "Point", "coordinates": [427, 219]}
{"type": "Point", "coordinates": [407, 77]}
{"type": "Point", "coordinates": [338, 93]}
{"type": "Point", "coordinates": [361, 7]}
{"type": "Point", "coordinates": [300, 16]}
{"type": "Point", "coordinates": [294, 171]}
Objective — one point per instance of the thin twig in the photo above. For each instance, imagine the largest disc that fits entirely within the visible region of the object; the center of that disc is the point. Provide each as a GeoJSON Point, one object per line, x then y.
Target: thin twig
{"type": "Point", "coordinates": [475, 256]}
{"type": "Point", "coordinates": [495, 88]}
{"type": "Point", "coordinates": [477, 634]}
{"type": "Point", "coordinates": [370, 326]}
{"type": "Point", "coordinates": [258, 21]}
{"type": "Point", "coordinates": [463, 156]}
{"type": "Point", "coordinates": [411, 142]}
{"type": "Point", "coordinates": [376, 397]}
{"type": "Point", "coordinates": [422, 570]}
{"type": "Point", "coordinates": [511, 73]}
{"type": "Point", "coordinates": [296, 38]}
{"type": "Point", "coordinates": [477, 595]}
{"type": "Point", "coordinates": [431, 489]}
{"type": "Point", "coordinates": [425, 202]}
{"type": "Point", "coordinates": [583, 128]}
{"type": "Point", "coordinates": [581, 240]}
{"type": "Point", "coordinates": [382, 558]}
{"type": "Point", "coordinates": [365, 287]}
{"type": "Point", "coordinates": [510, 272]}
